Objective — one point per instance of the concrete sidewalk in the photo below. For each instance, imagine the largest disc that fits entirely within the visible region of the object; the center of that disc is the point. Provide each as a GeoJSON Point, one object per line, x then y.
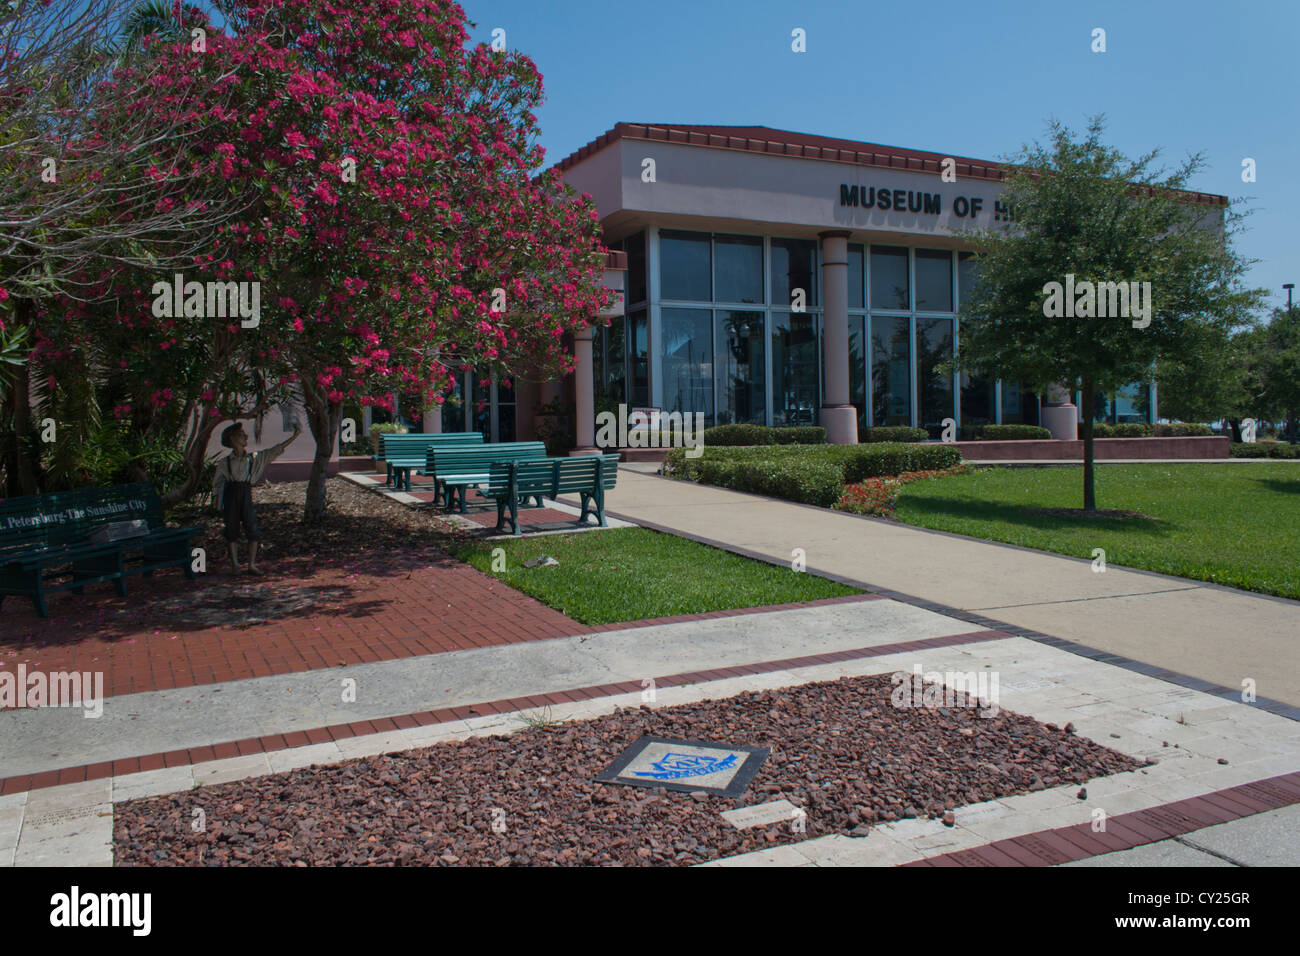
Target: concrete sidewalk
{"type": "Point", "coordinates": [1216, 634]}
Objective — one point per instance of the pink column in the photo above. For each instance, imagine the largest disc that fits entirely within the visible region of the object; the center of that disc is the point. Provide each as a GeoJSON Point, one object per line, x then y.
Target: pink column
{"type": "Point", "coordinates": [839, 417]}
{"type": "Point", "coordinates": [584, 394]}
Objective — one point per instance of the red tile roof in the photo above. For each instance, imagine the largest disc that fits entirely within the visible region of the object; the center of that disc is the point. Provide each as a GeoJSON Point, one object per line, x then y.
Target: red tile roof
{"type": "Point", "coordinates": [763, 139]}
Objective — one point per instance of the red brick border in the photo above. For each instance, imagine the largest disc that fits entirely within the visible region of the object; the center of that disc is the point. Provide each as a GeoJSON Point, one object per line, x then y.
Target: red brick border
{"type": "Point", "coordinates": [287, 741]}
{"type": "Point", "coordinates": [1129, 830]}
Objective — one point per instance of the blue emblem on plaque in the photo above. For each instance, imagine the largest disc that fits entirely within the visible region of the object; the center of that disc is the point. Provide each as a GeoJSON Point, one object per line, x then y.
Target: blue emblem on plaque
{"type": "Point", "coordinates": [675, 766]}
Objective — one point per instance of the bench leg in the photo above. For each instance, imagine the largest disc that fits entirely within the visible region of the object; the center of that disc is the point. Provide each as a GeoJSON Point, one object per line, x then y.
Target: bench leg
{"type": "Point", "coordinates": [600, 506]}
{"type": "Point", "coordinates": [176, 552]}
{"type": "Point", "coordinates": [514, 515]}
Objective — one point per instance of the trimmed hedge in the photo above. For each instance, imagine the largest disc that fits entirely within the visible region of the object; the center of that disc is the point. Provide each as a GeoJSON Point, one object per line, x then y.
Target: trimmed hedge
{"type": "Point", "coordinates": [1182, 430]}
{"type": "Point", "coordinates": [1125, 430]}
{"type": "Point", "coordinates": [810, 482]}
{"type": "Point", "coordinates": [1263, 449]}
{"type": "Point", "coordinates": [1012, 433]}
{"type": "Point", "coordinates": [1142, 430]}
{"type": "Point", "coordinates": [814, 475]}
{"type": "Point", "coordinates": [762, 435]}
{"type": "Point", "coordinates": [904, 433]}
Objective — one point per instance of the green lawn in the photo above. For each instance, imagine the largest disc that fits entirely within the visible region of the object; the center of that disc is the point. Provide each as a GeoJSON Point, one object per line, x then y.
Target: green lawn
{"type": "Point", "coordinates": [628, 574]}
{"type": "Point", "coordinates": [1233, 524]}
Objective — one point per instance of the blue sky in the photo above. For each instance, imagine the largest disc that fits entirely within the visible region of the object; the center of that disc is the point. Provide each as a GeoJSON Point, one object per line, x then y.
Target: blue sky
{"type": "Point", "coordinates": [969, 79]}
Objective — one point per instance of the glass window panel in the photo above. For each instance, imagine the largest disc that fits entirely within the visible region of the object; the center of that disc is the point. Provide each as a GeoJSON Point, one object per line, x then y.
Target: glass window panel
{"type": "Point", "coordinates": [481, 411]}
{"type": "Point", "coordinates": [1131, 404]}
{"type": "Point", "coordinates": [891, 370]}
{"type": "Point", "coordinates": [684, 266]}
{"type": "Point", "coordinates": [506, 409]}
{"type": "Point", "coordinates": [638, 366]}
{"type": "Point", "coordinates": [934, 388]}
{"type": "Point", "coordinates": [967, 273]}
{"type": "Point", "coordinates": [858, 366]}
{"type": "Point", "coordinates": [686, 371]}
{"type": "Point", "coordinates": [857, 269]}
{"type": "Point", "coordinates": [611, 362]}
{"type": "Point", "coordinates": [889, 286]}
{"type": "Point", "coordinates": [978, 400]}
{"type": "Point", "coordinates": [1019, 406]}
{"type": "Point", "coordinates": [634, 245]}
{"type": "Point", "coordinates": [738, 269]}
{"type": "Point", "coordinates": [453, 409]}
{"type": "Point", "coordinates": [742, 373]}
{"type": "Point", "coordinates": [795, 368]}
{"type": "Point", "coordinates": [794, 266]}
{"type": "Point", "coordinates": [933, 280]}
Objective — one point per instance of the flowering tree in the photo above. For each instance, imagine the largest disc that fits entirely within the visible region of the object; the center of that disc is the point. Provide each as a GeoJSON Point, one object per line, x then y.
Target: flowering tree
{"type": "Point", "coordinates": [394, 222]}
{"type": "Point", "coordinates": [398, 232]}
{"type": "Point", "coordinates": [100, 176]}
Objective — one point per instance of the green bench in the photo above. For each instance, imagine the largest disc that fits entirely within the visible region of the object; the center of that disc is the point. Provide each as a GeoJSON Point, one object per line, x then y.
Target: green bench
{"type": "Point", "coordinates": [511, 482]}
{"type": "Point", "coordinates": [402, 452]}
{"type": "Point", "coordinates": [456, 469]}
{"type": "Point", "coordinates": [66, 540]}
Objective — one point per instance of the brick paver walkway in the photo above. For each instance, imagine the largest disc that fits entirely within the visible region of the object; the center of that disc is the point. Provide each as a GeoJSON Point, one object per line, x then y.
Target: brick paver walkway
{"type": "Point", "coordinates": [175, 633]}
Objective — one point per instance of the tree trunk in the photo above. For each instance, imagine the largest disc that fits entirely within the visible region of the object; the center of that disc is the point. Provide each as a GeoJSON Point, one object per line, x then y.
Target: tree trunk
{"type": "Point", "coordinates": [1088, 396]}
{"type": "Point", "coordinates": [20, 468]}
{"type": "Point", "coordinates": [196, 453]}
{"type": "Point", "coordinates": [1234, 430]}
{"type": "Point", "coordinates": [323, 417]}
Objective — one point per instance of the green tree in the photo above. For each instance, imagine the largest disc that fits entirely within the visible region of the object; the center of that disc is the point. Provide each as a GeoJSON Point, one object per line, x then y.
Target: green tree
{"type": "Point", "coordinates": [1083, 209]}
{"type": "Point", "coordinates": [1214, 381]}
{"type": "Point", "coordinates": [1279, 370]}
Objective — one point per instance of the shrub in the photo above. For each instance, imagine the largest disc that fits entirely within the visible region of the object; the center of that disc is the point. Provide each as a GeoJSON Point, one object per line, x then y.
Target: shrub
{"type": "Point", "coordinates": [892, 433]}
{"type": "Point", "coordinates": [877, 496]}
{"type": "Point", "coordinates": [807, 481]}
{"type": "Point", "coordinates": [735, 435]}
{"type": "Point", "coordinates": [1263, 449]}
{"type": "Point", "coordinates": [1124, 430]}
{"type": "Point", "coordinates": [1012, 433]}
{"type": "Point", "coordinates": [741, 434]}
{"type": "Point", "coordinates": [799, 435]}
{"type": "Point", "coordinates": [1182, 430]}
{"type": "Point", "coordinates": [800, 472]}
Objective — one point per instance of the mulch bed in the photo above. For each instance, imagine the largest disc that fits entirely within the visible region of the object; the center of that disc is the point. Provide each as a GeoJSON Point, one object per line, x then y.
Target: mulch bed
{"type": "Point", "coordinates": [356, 519]}
{"type": "Point", "coordinates": [360, 531]}
{"type": "Point", "coordinates": [840, 750]}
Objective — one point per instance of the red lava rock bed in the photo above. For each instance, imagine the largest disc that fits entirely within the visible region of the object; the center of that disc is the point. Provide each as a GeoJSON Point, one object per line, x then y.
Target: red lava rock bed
{"type": "Point", "coordinates": [840, 750]}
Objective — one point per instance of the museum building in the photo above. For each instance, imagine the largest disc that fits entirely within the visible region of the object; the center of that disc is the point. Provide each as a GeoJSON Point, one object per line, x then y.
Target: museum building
{"type": "Point", "coordinates": [782, 278]}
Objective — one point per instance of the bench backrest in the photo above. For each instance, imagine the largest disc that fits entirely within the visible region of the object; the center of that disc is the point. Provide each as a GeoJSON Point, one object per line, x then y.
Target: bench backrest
{"type": "Point", "coordinates": [453, 461]}
{"type": "Point", "coordinates": [554, 476]}
{"type": "Point", "coordinates": [60, 518]}
{"type": "Point", "coordinates": [410, 445]}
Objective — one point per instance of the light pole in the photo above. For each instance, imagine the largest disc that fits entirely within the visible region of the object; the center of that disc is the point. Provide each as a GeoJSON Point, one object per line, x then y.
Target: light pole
{"type": "Point", "coordinates": [1290, 424]}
